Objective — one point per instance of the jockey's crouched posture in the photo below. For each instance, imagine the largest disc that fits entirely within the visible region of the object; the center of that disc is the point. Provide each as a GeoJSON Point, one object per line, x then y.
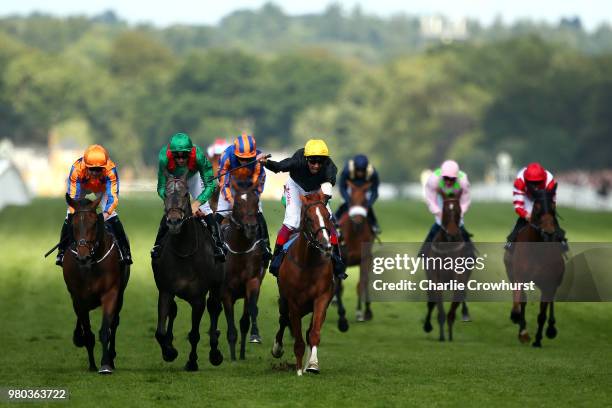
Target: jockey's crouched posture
{"type": "Point", "coordinates": [95, 173]}
{"type": "Point", "coordinates": [359, 171]}
{"type": "Point", "coordinates": [446, 180]}
{"type": "Point", "coordinates": [310, 170]}
{"type": "Point", "coordinates": [242, 152]}
{"type": "Point", "coordinates": [528, 180]}
{"type": "Point", "coordinates": [178, 157]}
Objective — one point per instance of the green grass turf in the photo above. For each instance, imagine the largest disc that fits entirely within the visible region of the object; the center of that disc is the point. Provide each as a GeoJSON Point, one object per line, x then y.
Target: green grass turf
{"type": "Point", "coordinates": [387, 362]}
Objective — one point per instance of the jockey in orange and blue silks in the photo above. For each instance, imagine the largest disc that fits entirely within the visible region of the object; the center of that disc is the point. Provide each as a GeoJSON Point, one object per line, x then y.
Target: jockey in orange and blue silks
{"type": "Point", "coordinates": [95, 173]}
{"type": "Point", "coordinates": [243, 151]}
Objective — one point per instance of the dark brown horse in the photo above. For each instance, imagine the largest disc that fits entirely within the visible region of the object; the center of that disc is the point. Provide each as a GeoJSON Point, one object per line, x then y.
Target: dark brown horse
{"type": "Point", "coordinates": [94, 277]}
{"type": "Point", "coordinates": [537, 256]}
{"type": "Point", "coordinates": [186, 268]}
{"type": "Point", "coordinates": [244, 269]}
{"type": "Point", "coordinates": [306, 282]}
{"type": "Point", "coordinates": [357, 249]}
{"type": "Point", "coordinates": [448, 243]}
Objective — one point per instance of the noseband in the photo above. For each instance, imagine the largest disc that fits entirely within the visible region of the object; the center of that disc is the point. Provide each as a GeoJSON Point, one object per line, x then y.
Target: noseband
{"type": "Point", "coordinates": [311, 236]}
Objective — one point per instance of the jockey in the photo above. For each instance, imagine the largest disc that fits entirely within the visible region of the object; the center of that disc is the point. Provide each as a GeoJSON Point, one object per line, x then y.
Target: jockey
{"type": "Point", "coordinates": [242, 152]}
{"type": "Point", "coordinates": [176, 158]}
{"type": "Point", "coordinates": [359, 171]}
{"type": "Point", "coordinates": [529, 179]}
{"type": "Point", "coordinates": [447, 180]}
{"type": "Point", "coordinates": [310, 170]}
{"type": "Point", "coordinates": [95, 173]}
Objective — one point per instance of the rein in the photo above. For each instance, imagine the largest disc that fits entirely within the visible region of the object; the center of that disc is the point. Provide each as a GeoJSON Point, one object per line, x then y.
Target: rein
{"type": "Point", "coordinates": [310, 236]}
{"type": "Point", "coordinates": [95, 244]}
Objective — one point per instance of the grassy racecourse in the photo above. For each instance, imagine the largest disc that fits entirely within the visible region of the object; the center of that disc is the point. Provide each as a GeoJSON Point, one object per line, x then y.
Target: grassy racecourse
{"type": "Point", "coordinates": [387, 362]}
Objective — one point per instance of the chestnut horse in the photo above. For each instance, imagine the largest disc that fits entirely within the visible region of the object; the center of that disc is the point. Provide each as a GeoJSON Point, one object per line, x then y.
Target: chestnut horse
{"type": "Point", "coordinates": [541, 263]}
{"type": "Point", "coordinates": [448, 243]}
{"type": "Point", "coordinates": [94, 277]}
{"type": "Point", "coordinates": [244, 269]}
{"type": "Point", "coordinates": [186, 268]}
{"type": "Point", "coordinates": [357, 249]}
{"type": "Point", "coordinates": [306, 282]}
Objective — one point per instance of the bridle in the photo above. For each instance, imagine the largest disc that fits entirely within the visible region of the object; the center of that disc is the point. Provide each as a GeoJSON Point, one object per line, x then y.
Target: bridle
{"type": "Point", "coordinates": [311, 236]}
{"type": "Point", "coordinates": [91, 245]}
{"type": "Point", "coordinates": [240, 226]}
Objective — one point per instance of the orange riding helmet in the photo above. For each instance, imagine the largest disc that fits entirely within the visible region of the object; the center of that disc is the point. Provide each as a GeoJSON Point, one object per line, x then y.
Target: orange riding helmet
{"type": "Point", "coordinates": [95, 156]}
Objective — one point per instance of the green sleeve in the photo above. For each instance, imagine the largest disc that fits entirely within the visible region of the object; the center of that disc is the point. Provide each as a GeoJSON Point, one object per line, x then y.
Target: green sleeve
{"type": "Point", "coordinates": [206, 174]}
{"type": "Point", "coordinates": [161, 176]}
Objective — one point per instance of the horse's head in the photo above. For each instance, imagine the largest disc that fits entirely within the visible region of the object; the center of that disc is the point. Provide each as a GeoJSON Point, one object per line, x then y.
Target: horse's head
{"type": "Point", "coordinates": [451, 216]}
{"type": "Point", "coordinates": [358, 209]}
{"type": "Point", "coordinates": [544, 213]}
{"type": "Point", "coordinates": [177, 203]}
{"type": "Point", "coordinates": [316, 224]}
{"type": "Point", "coordinates": [246, 206]}
{"type": "Point", "coordinates": [87, 228]}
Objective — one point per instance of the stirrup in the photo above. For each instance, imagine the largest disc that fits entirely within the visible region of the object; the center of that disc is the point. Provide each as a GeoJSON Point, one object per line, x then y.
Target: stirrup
{"type": "Point", "coordinates": [59, 259]}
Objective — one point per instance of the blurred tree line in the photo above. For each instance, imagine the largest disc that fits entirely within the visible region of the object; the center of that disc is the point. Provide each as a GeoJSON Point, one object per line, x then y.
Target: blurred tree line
{"type": "Point", "coordinates": [365, 84]}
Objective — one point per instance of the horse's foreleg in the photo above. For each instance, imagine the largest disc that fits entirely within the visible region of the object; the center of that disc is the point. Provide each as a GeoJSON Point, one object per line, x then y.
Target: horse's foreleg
{"type": "Point", "coordinates": [298, 345]}
{"type": "Point", "coordinates": [523, 335]}
{"type": "Point", "coordinates": [342, 321]}
{"type": "Point", "coordinates": [365, 289]}
{"type": "Point", "coordinates": [83, 336]}
{"type": "Point", "coordinates": [452, 313]}
{"type": "Point", "coordinates": [465, 313]}
{"type": "Point", "coordinates": [115, 325]}
{"type": "Point", "coordinates": [244, 328]}
{"type": "Point", "coordinates": [252, 294]}
{"type": "Point", "coordinates": [109, 311]}
{"type": "Point", "coordinates": [541, 321]}
{"type": "Point", "coordinates": [283, 322]}
{"type": "Point", "coordinates": [214, 310]}
{"type": "Point", "coordinates": [551, 330]}
{"type": "Point", "coordinates": [197, 310]}
{"type": "Point", "coordinates": [427, 327]}
{"type": "Point", "coordinates": [166, 310]}
{"type": "Point", "coordinates": [441, 317]}
{"type": "Point", "coordinates": [232, 333]}
{"type": "Point", "coordinates": [515, 313]}
{"type": "Point", "coordinates": [314, 333]}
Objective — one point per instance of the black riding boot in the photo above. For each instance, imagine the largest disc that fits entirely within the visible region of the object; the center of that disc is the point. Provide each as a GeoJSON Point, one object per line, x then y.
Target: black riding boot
{"type": "Point", "coordinates": [161, 233]}
{"type": "Point", "coordinates": [435, 228]}
{"type": "Point", "coordinates": [117, 228]}
{"type": "Point", "coordinates": [520, 223]}
{"type": "Point", "coordinates": [373, 221]}
{"type": "Point", "coordinates": [277, 260]}
{"type": "Point", "coordinates": [213, 227]}
{"type": "Point", "coordinates": [64, 240]}
{"type": "Point", "coordinates": [265, 239]}
{"type": "Point", "coordinates": [338, 264]}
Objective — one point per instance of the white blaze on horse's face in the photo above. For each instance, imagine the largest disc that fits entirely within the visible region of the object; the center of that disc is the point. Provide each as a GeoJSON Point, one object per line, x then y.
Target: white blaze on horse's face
{"type": "Point", "coordinates": [243, 196]}
{"type": "Point", "coordinates": [451, 206]}
{"type": "Point", "coordinates": [322, 225]}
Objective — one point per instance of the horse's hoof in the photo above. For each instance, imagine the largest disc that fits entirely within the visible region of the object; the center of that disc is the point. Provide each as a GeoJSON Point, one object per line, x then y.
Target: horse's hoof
{"type": "Point", "coordinates": [93, 368]}
{"type": "Point", "coordinates": [427, 327]}
{"type": "Point", "coordinates": [343, 324]}
{"type": "Point", "coordinates": [466, 318]}
{"type": "Point", "coordinates": [215, 357]}
{"type": "Point", "coordinates": [313, 368]}
{"type": "Point", "coordinates": [277, 350]}
{"type": "Point", "coordinates": [78, 340]}
{"type": "Point", "coordinates": [359, 316]}
{"type": "Point", "coordinates": [255, 338]}
{"type": "Point", "coordinates": [191, 365]}
{"type": "Point", "coordinates": [299, 372]}
{"type": "Point", "coordinates": [442, 338]}
{"type": "Point", "coordinates": [105, 369]}
{"type": "Point", "coordinates": [551, 332]}
{"type": "Point", "coordinates": [368, 315]}
{"type": "Point", "coordinates": [537, 344]}
{"type": "Point", "coordinates": [169, 354]}
{"type": "Point", "coordinates": [524, 337]}
{"type": "Point", "coordinates": [515, 316]}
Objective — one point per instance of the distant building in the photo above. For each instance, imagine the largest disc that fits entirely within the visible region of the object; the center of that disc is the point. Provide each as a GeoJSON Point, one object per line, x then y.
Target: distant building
{"type": "Point", "coordinates": [443, 29]}
{"type": "Point", "coordinates": [13, 190]}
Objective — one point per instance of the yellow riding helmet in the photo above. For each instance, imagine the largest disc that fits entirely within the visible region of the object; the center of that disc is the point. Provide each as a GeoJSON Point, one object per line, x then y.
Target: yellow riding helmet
{"type": "Point", "coordinates": [316, 147]}
{"type": "Point", "coordinates": [95, 156]}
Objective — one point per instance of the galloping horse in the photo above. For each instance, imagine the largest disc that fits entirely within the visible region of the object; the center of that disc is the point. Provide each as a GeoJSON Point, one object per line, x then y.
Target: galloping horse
{"type": "Point", "coordinates": [357, 250]}
{"type": "Point", "coordinates": [306, 282]}
{"type": "Point", "coordinates": [244, 270]}
{"type": "Point", "coordinates": [94, 277]}
{"type": "Point", "coordinates": [448, 243]}
{"type": "Point", "coordinates": [186, 268]}
{"type": "Point", "coordinates": [541, 263]}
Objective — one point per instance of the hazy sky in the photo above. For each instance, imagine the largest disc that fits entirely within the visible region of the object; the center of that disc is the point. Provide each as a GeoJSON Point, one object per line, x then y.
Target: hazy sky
{"type": "Point", "coordinates": [592, 12]}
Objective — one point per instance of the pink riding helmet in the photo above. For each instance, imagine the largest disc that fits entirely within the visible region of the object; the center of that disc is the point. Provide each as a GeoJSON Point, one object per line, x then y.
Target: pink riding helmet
{"type": "Point", "coordinates": [450, 168]}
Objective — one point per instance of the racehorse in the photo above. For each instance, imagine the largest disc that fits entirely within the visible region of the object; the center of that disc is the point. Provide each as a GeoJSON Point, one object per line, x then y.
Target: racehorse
{"type": "Point", "coordinates": [244, 269]}
{"type": "Point", "coordinates": [357, 249]}
{"type": "Point", "coordinates": [94, 277]}
{"type": "Point", "coordinates": [186, 268]}
{"type": "Point", "coordinates": [306, 282]}
{"type": "Point", "coordinates": [448, 243]}
{"type": "Point", "coordinates": [541, 263]}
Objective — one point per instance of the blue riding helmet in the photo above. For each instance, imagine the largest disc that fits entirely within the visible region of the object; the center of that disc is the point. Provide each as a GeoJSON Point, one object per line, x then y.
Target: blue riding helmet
{"type": "Point", "coordinates": [360, 161]}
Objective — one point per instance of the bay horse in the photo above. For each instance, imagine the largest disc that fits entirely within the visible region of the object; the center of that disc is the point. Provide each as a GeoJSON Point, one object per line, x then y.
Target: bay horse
{"type": "Point", "coordinates": [306, 282]}
{"type": "Point", "coordinates": [244, 270]}
{"type": "Point", "coordinates": [357, 249]}
{"type": "Point", "coordinates": [94, 277]}
{"type": "Point", "coordinates": [447, 243]}
{"type": "Point", "coordinates": [186, 268]}
{"type": "Point", "coordinates": [537, 256]}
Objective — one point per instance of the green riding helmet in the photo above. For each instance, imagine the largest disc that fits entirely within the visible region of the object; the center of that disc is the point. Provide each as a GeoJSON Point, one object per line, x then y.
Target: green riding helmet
{"type": "Point", "coordinates": [180, 142]}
